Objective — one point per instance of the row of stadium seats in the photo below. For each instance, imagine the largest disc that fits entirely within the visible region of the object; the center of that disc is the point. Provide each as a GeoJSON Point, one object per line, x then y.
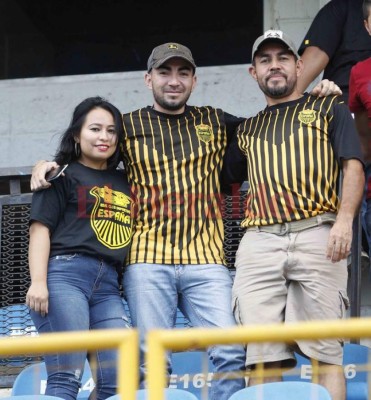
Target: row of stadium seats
{"type": "Point", "coordinates": [142, 394]}
{"type": "Point", "coordinates": [192, 373]}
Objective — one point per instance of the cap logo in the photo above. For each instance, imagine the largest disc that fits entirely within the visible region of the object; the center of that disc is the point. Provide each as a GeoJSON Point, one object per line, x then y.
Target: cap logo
{"type": "Point", "coordinates": [273, 34]}
{"type": "Point", "coordinates": [307, 116]}
{"type": "Point", "coordinates": [173, 46]}
{"type": "Point", "coordinates": [204, 132]}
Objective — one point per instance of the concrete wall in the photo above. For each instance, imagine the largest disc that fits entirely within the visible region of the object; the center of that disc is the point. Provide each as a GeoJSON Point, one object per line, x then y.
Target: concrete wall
{"type": "Point", "coordinates": [293, 17]}
{"type": "Point", "coordinates": [33, 112]}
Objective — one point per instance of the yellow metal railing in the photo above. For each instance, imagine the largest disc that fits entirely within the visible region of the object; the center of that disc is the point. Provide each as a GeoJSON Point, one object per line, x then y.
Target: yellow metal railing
{"type": "Point", "coordinates": [125, 340]}
{"type": "Point", "coordinates": [159, 341]}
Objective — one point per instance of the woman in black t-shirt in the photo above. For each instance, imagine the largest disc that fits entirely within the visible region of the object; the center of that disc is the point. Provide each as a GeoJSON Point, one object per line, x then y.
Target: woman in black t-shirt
{"type": "Point", "coordinates": [80, 232]}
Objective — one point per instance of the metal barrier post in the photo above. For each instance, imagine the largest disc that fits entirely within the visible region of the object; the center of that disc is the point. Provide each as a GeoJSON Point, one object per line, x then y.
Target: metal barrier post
{"type": "Point", "coordinates": [125, 340]}
{"type": "Point", "coordinates": [181, 339]}
{"type": "Point", "coordinates": [355, 271]}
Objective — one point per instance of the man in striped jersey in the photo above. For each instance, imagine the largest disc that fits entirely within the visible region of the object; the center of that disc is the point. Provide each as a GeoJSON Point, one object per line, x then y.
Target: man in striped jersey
{"type": "Point", "coordinates": [291, 262]}
{"type": "Point", "coordinates": [173, 156]}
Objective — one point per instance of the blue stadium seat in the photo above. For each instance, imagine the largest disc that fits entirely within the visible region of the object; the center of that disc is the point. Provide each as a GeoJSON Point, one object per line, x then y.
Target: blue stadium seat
{"type": "Point", "coordinates": [170, 394]}
{"type": "Point", "coordinates": [32, 397]}
{"type": "Point", "coordinates": [192, 371]}
{"type": "Point", "coordinates": [301, 372]}
{"type": "Point", "coordinates": [355, 361]}
{"type": "Point", "coordinates": [283, 391]}
{"type": "Point", "coordinates": [32, 381]}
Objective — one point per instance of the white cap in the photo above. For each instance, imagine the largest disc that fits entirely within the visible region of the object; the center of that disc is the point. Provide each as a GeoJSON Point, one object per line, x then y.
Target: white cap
{"type": "Point", "coordinates": [275, 35]}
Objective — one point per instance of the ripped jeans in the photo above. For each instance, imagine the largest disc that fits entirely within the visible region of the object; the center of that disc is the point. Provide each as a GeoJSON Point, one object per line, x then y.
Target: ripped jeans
{"type": "Point", "coordinates": [83, 294]}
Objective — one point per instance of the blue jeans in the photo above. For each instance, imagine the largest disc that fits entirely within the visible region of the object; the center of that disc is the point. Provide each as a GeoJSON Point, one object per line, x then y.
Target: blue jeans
{"type": "Point", "coordinates": [83, 294]}
{"type": "Point", "coordinates": [204, 295]}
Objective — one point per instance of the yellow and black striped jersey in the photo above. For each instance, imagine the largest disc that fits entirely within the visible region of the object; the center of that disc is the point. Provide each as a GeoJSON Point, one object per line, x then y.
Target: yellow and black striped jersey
{"type": "Point", "coordinates": [173, 163]}
{"type": "Point", "coordinates": [294, 152]}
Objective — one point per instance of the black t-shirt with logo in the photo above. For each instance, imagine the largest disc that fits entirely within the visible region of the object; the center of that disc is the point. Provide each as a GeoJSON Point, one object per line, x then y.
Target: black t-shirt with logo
{"type": "Point", "coordinates": [87, 211]}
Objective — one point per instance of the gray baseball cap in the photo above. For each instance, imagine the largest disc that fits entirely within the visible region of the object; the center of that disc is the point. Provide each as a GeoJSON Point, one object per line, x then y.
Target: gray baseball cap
{"type": "Point", "coordinates": [165, 51]}
{"type": "Point", "coordinates": [274, 35]}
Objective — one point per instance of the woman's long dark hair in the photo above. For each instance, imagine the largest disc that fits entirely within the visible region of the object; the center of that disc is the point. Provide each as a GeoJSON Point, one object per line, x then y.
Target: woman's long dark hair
{"type": "Point", "coordinates": [65, 153]}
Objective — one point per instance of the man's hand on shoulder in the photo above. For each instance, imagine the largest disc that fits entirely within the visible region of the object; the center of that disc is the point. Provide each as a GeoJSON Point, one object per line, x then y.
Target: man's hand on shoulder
{"type": "Point", "coordinates": [39, 171]}
{"type": "Point", "coordinates": [326, 88]}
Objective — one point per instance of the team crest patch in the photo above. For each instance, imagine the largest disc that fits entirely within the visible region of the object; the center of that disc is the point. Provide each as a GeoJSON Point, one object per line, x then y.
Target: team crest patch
{"type": "Point", "coordinates": [307, 116]}
{"type": "Point", "coordinates": [111, 217]}
{"type": "Point", "coordinates": [204, 132]}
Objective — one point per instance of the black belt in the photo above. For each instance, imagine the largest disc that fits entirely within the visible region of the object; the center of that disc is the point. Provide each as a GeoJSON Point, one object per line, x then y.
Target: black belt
{"type": "Point", "coordinates": [297, 226]}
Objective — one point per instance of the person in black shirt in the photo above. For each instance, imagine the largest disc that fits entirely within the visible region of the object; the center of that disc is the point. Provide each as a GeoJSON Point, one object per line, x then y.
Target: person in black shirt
{"type": "Point", "coordinates": [80, 232]}
{"type": "Point", "coordinates": [335, 41]}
